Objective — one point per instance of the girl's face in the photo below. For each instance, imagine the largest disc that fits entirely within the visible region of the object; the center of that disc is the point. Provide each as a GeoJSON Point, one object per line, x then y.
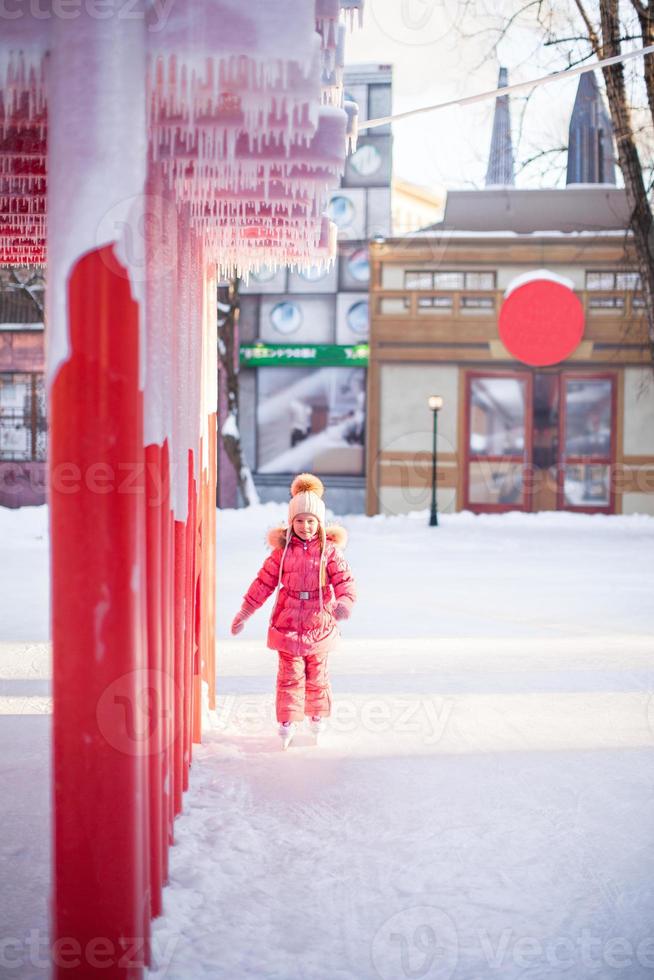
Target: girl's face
{"type": "Point", "coordinates": [305, 526]}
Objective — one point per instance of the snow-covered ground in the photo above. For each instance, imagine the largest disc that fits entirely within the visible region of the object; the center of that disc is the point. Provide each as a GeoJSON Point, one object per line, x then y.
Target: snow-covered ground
{"type": "Point", "coordinates": [482, 806]}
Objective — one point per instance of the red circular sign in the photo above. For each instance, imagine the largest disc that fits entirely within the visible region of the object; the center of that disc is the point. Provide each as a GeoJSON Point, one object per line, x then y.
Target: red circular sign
{"type": "Point", "coordinates": [541, 322]}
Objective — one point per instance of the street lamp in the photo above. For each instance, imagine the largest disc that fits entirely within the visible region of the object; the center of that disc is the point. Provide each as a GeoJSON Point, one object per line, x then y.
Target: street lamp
{"type": "Point", "coordinates": [435, 402]}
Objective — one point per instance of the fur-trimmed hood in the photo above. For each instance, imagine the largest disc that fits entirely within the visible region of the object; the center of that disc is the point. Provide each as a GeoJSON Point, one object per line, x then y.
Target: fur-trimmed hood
{"type": "Point", "coordinates": [276, 537]}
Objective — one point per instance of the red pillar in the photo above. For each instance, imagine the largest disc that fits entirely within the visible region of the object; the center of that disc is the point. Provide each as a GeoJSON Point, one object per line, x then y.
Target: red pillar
{"type": "Point", "coordinates": [154, 508]}
{"type": "Point", "coordinates": [190, 588]}
{"type": "Point", "coordinates": [99, 676]}
{"type": "Point", "coordinates": [179, 654]}
{"type": "Point", "coordinates": [167, 614]}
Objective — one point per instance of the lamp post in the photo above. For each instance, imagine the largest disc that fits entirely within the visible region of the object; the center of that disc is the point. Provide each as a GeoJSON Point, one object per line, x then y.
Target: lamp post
{"type": "Point", "coordinates": [435, 402]}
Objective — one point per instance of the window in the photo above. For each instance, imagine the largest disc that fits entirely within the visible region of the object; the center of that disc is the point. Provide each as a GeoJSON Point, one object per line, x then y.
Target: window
{"type": "Point", "coordinates": [341, 211]}
{"type": "Point", "coordinates": [497, 416]}
{"type": "Point", "coordinates": [477, 303]}
{"type": "Point", "coordinates": [311, 419]}
{"type": "Point", "coordinates": [366, 160]}
{"type": "Point", "coordinates": [358, 265]}
{"type": "Point", "coordinates": [480, 280]}
{"type": "Point", "coordinates": [627, 280]}
{"type": "Point", "coordinates": [449, 280]}
{"type": "Point", "coordinates": [22, 417]}
{"type": "Point", "coordinates": [263, 274]}
{"type": "Point", "coordinates": [418, 280]}
{"type": "Point", "coordinates": [497, 434]}
{"type": "Point", "coordinates": [428, 302]}
{"type": "Point", "coordinates": [606, 303]}
{"type": "Point", "coordinates": [286, 317]}
{"type": "Point", "coordinates": [357, 318]}
{"type": "Point", "coordinates": [612, 280]}
{"type": "Point", "coordinates": [314, 273]}
{"type": "Point", "coordinates": [588, 407]}
{"type": "Point", "coordinates": [587, 442]}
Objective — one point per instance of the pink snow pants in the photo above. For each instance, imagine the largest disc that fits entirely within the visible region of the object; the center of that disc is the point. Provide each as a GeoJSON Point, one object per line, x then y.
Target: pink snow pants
{"type": "Point", "coordinates": [303, 686]}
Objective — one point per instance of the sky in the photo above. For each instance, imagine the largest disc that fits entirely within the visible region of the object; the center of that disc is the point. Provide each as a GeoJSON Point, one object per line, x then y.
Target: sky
{"type": "Point", "coordinates": [433, 62]}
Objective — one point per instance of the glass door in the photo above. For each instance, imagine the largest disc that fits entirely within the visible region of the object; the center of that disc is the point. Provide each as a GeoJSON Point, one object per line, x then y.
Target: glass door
{"type": "Point", "coordinates": [545, 440]}
{"type": "Point", "coordinates": [498, 432]}
{"type": "Point", "coordinates": [587, 442]}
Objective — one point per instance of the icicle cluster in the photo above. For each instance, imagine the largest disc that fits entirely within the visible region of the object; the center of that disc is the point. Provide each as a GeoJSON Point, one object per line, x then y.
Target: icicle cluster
{"type": "Point", "coordinates": [252, 135]}
{"type": "Point", "coordinates": [246, 120]}
{"type": "Point", "coordinates": [23, 129]}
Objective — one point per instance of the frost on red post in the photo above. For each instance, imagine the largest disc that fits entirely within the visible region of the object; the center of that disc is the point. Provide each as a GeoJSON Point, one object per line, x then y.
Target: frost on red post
{"type": "Point", "coordinates": [147, 157]}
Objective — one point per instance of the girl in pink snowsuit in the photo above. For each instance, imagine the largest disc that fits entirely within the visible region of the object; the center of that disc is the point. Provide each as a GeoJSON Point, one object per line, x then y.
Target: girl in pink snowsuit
{"type": "Point", "coordinates": [315, 588]}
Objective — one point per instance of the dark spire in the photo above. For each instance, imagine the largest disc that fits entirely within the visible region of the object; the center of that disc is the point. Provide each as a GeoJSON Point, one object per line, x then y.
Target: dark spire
{"type": "Point", "coordinates": [500, 161]}
{"type": "Point", "coordinates": [590, 140]}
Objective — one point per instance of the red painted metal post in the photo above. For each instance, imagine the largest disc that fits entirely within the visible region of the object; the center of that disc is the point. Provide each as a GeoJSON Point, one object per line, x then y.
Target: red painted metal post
{"type": "Point", "coordinates": [97, 558]}
{"type": "Point", "coordinates": [211, 561]}
{"type": "Point", "coordinates": [180, 580]}
{"type": "Point", "coordinates": [167, 813]}
{"type": "Point", "coordinates": [189, 617]}
{"type": "Point", "coordinates": [155, 663]}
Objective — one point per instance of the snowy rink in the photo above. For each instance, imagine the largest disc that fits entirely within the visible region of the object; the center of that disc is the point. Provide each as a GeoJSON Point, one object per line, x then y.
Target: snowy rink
{"type": "Point", "coordinates": [482, 806]}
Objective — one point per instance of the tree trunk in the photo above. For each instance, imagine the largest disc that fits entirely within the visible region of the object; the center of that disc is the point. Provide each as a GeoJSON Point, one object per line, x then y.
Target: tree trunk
{"type": "Point", "coordinates": [641, 223]}
{"type": "Point", "coordinates": [646, 20]}
{"type": "Point", "coordinates": [228, 307]}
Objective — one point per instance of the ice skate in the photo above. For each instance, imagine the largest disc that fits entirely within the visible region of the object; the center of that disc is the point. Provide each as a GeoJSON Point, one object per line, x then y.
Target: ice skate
{"type": "Point", "coordinates": [316, 727]}
{"type": "Point", "coordinates": [286, 732]}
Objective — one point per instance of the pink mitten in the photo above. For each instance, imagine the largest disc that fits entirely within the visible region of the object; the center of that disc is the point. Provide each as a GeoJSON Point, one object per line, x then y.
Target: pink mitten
{"type": "Point", "coordinates": [241, 616]}
{"type": "Point", "coordinates": [341, 612]}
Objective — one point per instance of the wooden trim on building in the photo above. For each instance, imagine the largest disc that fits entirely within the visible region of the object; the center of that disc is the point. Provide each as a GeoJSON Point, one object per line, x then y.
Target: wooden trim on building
{"type": "Point", "coordinates": [634, 479]}
{"type": "Point", "coordinates": [480, 354]}
{"type": "Point", "coordinates": [618, 428]}
{"type": "Point", "coordinates": [502, 251]}
{"type": "Point", "coordinates": [646, 460]}
{"type": "Point", "coordinates": [417, 475]}
{"type": "Point", "coordinates": [461, 437]}
{"type": "Point", "coordinates": [409, 456]}
{"type": "Point", "coordinates": [441, 330]}
{"type": "Point", "coordinates": [373, 421]}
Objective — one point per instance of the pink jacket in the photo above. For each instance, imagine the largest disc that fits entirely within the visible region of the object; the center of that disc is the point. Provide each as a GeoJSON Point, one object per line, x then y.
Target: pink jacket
{"type": "Point", "coordinates": [297, 624]}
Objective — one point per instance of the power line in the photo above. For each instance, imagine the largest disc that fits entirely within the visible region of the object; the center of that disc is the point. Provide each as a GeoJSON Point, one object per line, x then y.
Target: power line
{"type": "Point", "coordinates": [508, 89]}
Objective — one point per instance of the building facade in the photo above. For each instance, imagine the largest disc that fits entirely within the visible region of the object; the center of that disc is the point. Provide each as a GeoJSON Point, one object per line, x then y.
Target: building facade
{"type": "Point", "coordinates": [303, 335]}
{"type": "Point", "coordinates": [23, 429]}
{"type": "Point", "coordinates": [414, 207]}
{"type": "Point", "coordinates": [522, 310]}
{"type": "Point", "coordinates": [576, 435]}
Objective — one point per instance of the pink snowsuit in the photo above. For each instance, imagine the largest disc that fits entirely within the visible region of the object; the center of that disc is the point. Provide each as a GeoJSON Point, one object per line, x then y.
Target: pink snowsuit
{"type": "Point", "coordinates": [299, 630]}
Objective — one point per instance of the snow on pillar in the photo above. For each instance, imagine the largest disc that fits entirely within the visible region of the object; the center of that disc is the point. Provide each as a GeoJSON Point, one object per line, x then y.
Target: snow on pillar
{"type": "Point", "coordinates": [167, 245]}
{"type": "Point", "coordinates": [210, 476]}
{"type": "Point", "coordinates": [208, 415]}
{"type": "Point", "coordinates": [185, 406]}
{"type": "Point", "coordinates": [160, 264]}
{"type": "Point", "coordinates": [180, 496]}
{"type": "Point", "coordinates": [198, 313]}
{"type": "Point", "coordinates": [95, 318]}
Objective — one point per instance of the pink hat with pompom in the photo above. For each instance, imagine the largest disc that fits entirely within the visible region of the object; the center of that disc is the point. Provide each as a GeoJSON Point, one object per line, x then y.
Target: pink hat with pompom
{"type": "Point", "coordinates": [306, 497]}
